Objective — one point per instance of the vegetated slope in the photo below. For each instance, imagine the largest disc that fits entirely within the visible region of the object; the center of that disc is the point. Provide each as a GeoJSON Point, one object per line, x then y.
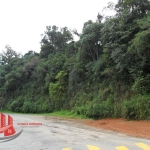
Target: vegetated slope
{"type": "Point", "coordinates": [106, 73]}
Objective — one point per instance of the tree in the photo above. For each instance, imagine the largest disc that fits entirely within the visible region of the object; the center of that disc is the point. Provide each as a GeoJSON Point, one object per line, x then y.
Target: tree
{"type": "Point", "coordinates": [9, 54]}
{"type": "Point", "coordinates": [54, 40]}
{"type": "Point", "coordinates": [91, 40]}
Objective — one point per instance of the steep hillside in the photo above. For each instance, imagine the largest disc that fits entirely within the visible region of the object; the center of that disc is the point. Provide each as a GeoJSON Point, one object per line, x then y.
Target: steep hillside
{"type": "Point", "coordinates": [106, 73]}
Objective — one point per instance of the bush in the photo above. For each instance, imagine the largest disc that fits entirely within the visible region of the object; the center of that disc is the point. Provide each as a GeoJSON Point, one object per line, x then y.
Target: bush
{"type": "Point", "coordinates": [16, 105]}
{"type": "Point", "coordinates": [97, 109]}
{"type": "Point", "coordinates": [141, 85]}
{"type": "Point", "coordinates": [137, 108]}
{"type": "Point", "coordinates": [29, 107]}
{"type": "Point", "coordinates": [117, 110]}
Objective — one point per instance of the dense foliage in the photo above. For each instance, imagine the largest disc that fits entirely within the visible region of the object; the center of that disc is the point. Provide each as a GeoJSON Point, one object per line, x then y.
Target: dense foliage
{"type": "Point", "coordinates": [106, 73]}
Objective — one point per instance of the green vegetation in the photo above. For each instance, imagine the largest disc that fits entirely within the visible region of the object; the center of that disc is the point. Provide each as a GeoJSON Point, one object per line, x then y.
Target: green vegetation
{"type": "Point", "coordinates": [7, 111]}
{"type": "Point", "coordinates": [66, 114]}
{"type": "Point", "coordinates": [61, 114]}
{"type": "Point", "coordinates": [106, 73]}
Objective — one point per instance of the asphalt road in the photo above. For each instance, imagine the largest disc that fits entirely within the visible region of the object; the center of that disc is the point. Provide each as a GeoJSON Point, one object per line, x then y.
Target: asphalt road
{"type": "Point", "coordinates": [56, 134]}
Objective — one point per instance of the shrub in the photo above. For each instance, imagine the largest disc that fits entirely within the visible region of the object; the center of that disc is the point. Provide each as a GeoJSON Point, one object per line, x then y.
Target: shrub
{"type": "Point", "coordinates": [137, 108]}
{"type": "Point", "coordinates": [29, 107]}
{"type": "Point", "coordinates": [141, 85]}
{"type": "Point", "coordinates": [16, 105]}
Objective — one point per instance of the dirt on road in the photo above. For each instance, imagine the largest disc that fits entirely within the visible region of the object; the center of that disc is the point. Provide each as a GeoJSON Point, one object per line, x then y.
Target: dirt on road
{"type": "Point", "coordinates": [133, 128]}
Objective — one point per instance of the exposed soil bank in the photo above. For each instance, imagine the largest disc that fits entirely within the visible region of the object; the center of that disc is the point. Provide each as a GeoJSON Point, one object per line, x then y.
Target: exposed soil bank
{"type": "Point", "coordinates": [134, 128]}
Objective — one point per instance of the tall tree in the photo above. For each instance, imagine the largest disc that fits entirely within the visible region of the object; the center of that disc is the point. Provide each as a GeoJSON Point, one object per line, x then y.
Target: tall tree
{"type": "Point", "coordinates": [54, 40]}
{"type": "Point", "coordinates": [9, 54]}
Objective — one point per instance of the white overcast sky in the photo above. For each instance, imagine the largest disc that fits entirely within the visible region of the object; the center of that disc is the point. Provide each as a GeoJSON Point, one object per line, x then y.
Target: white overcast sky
{"type": "Point", "coordinates": [23, 21]}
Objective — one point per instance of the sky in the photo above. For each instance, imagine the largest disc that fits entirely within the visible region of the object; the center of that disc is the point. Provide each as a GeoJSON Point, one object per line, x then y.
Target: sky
{"type": "Point", "coordinates": [23, 21]}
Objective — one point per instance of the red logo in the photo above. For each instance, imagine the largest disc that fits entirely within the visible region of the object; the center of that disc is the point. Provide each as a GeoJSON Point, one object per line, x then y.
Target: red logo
{"type": "Point", "coordinates": [7, 129]}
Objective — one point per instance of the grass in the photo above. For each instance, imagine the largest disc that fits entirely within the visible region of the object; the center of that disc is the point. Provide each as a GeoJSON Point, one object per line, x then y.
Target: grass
{"type": "Point", "coordinates": [66, 114]}
{"type": "Point", "coordinates": [8, 111]}
{"type": "Point", "coordinates": [62, 113]}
